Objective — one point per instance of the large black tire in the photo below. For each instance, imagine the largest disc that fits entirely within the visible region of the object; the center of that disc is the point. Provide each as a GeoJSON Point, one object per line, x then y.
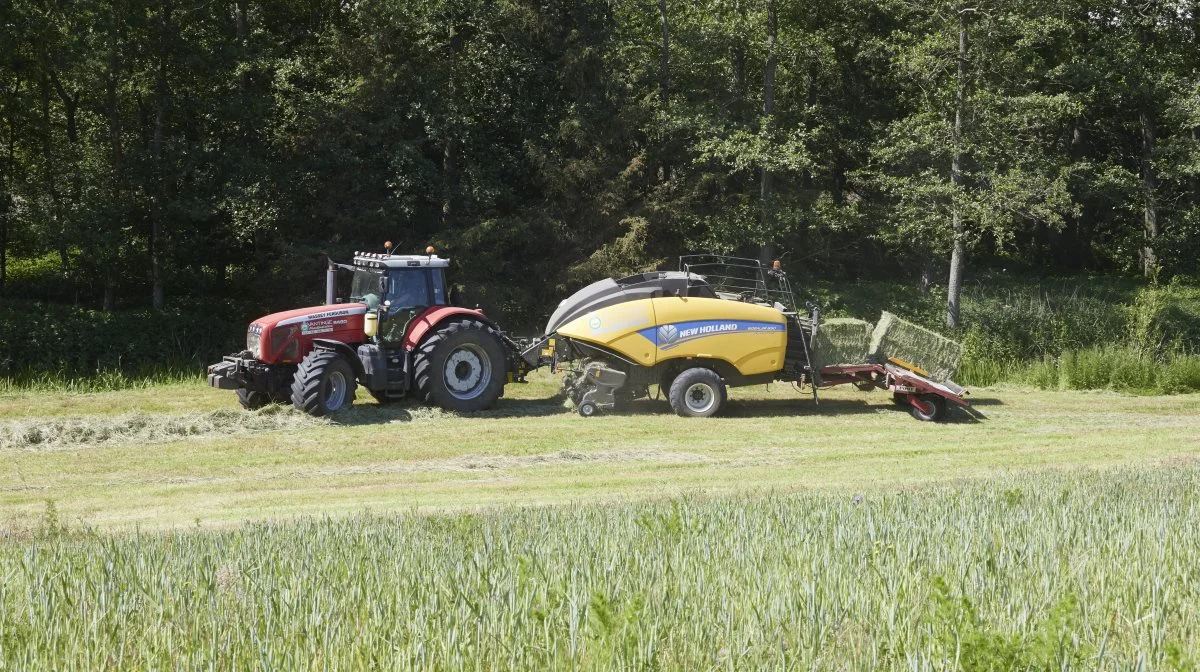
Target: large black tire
{"type": "Point", "coordinates": [251, 400]}
{"type": "Point", "coordinates": [928, 407]}
{"type": "Point", "coordinates": [461, 367]}
{"type": "Point", "coordinates": [697, 393]}
{"type": "Point", "coordinates": [324, 383]}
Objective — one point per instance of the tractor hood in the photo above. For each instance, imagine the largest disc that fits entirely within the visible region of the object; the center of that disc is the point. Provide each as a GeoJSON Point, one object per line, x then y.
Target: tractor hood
{"type": "Point", "coordinates": [283, 338]}
{"type": "Point", "coordinates": [313, 317]}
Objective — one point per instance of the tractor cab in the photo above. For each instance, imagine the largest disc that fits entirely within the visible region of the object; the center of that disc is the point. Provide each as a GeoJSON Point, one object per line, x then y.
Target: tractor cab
{"type": "Point", "coordinates": [398, 288]}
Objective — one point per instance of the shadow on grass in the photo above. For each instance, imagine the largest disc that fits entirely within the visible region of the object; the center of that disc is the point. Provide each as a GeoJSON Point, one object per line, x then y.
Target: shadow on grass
{"type": "Point", "coordinates": [985, 402]}
{"type": "Point", "coordinates": [409, 410]}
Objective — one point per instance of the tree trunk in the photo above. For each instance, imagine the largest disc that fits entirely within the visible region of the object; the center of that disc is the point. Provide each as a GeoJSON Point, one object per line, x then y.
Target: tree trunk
{"type": "Point", "coordinates": [1194, 180]}
{"type": "Point", "coordinates": [959, 252]}
{"type": "Point", "coordinates": [241, 25]}
{"type": "Point", "coordinates": [1149, 186]}
{"type": "Point", "coordinates": [51, 179]}
{"type": "Point", "coordinates": [664, 78]}
{"type": "Point", "coordinates": [450, 149]}
{"type": "Point", "coordinates": [116, 151]}
{"type": "Point", "coordinates": [157, 224]}
{"type": "Point", "coordinates": [664, 57]}
{"type": "Point", "coordinates": [739, 59]}
{"type": "Point", "coordinates": [6, 182]}
{"type": "Point", "coordinates": [70, 105]}
{"type": "Point", "coordinates": [768, 110]}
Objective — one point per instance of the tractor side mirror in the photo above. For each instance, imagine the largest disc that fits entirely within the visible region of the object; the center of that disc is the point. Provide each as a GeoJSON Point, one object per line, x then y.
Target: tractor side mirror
{"type": "Point", "coordinates": [383, 285]}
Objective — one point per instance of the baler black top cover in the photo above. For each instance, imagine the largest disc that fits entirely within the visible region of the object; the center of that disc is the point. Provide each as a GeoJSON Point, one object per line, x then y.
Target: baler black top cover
{"type": "Point", "coordinates": [608, 292]}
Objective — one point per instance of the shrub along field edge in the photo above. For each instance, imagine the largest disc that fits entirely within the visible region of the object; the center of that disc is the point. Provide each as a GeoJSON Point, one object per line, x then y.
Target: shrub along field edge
{"type": "Point", "coordinates": [1074, 333]}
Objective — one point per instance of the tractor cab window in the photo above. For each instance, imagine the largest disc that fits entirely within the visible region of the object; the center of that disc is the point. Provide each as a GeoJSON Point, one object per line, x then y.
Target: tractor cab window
{"type": "Point", "coordinates": [403, 288]}
{"type": "Point", "coordinates": [439, 287]}
{"type": "Point", "coordinates": [367, 287]}
{"type": "Point", "coordinates": [409, 289]}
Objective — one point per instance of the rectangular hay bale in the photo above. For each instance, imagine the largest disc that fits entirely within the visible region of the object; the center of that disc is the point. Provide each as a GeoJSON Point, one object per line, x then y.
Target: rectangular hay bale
{"type": "Point", "coordinates": [903, 340]}
{"type": "Point", "coordinates": [841, 340]}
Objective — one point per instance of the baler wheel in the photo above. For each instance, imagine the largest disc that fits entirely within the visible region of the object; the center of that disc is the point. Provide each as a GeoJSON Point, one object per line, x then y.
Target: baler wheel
{"type": "Point", "coordinates": [697, 393]}
{"type": "Point", "coordinates": [460, 367]}
{"type": "Point", "coordinates": [324, 383]}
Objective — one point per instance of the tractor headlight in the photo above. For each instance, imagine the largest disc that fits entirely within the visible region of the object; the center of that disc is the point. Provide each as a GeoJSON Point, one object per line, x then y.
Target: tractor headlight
{"type": "Point", "coordinates": [254, 342]}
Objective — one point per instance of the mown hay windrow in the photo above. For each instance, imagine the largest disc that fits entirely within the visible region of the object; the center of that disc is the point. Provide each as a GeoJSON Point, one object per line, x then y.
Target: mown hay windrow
{"type": "Point", "coordinates": [894, 337]}
{"type": "Point", "coordinates": [52, 433]}
{"type": "Point", "coordinates": [841, 340]}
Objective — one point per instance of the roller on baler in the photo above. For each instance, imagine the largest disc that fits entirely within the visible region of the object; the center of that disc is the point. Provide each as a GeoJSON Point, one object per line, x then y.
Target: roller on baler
{"type": "Point", "coordinates": [721, 322]}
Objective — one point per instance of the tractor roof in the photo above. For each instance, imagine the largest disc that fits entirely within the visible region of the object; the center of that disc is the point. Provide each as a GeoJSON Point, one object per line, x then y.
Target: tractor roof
{"type": "Point", "coordinates": [376, 260]}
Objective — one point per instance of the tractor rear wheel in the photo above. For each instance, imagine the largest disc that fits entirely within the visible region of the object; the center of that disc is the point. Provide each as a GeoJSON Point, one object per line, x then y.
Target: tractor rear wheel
{"type": "Point", "coordinates": [324, 383]}
{"type": "Point", "coordinates": [461, 367]}
{"type": "Point", "coordinates": [697, 393]}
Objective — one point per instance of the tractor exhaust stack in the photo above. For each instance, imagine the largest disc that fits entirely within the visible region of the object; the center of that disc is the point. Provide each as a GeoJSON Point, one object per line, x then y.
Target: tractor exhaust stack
{"type": "Point", "coordinates": [331, 283]}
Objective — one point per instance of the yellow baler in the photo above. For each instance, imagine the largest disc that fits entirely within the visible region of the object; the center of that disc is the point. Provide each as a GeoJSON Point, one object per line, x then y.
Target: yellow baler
{"type": "Point", "coordinates": [677, 330]}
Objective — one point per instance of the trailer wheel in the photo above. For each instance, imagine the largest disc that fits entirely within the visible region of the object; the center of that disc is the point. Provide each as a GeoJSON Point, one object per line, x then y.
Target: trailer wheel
{"type": "Point", "coordinates": [252, 400]}
{"type": "Point", "coordinates": [461, 367]}
{"type": "Point", "coordinates": [324, 383]}
{"type": "Point", "coordinates": [928, 407]}
{"type": "Point", "coordinates": [697, 393]}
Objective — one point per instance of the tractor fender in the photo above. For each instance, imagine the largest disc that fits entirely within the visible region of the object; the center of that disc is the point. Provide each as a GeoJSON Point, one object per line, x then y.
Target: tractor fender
{"type": "Point", "coordinates": [344, 350]}
{"type": "Point", "coordinates": [432, 317]}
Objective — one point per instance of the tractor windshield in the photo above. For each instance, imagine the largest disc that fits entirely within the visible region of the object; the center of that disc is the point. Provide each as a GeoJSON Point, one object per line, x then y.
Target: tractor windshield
{"type": "Point", "coordinates": [367, 287]}
{"type": "Point", "coordinates": [403, 288]}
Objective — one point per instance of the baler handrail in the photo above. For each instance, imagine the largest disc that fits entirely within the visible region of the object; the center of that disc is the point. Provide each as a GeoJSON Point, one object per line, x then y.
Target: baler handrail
{"type": "Point", "coordinates": [753, 279]}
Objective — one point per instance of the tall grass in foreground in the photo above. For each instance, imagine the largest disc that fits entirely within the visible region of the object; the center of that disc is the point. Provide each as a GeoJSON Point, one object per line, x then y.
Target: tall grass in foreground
{"type": "Point", "coordinates": [1078, 571]}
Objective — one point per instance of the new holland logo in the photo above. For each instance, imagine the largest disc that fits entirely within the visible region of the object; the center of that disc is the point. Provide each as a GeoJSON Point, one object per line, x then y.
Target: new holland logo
{"type": "Point", "coordinates": [667, 333]}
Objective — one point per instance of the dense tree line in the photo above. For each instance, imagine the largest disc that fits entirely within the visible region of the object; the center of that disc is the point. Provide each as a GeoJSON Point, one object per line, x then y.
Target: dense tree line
{"type": "Point", "coordinates": [156, 150]}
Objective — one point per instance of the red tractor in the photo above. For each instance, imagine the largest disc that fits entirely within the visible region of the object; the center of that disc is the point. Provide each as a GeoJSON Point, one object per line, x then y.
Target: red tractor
{"type": "Point", "coordinates": [398, 336]}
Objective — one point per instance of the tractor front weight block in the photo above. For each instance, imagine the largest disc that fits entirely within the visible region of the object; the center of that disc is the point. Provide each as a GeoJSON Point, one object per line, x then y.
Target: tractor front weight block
{"type": "Point", "coordinates": [235, 372]}
{"type": "Point", "coordinates": [224, 376]}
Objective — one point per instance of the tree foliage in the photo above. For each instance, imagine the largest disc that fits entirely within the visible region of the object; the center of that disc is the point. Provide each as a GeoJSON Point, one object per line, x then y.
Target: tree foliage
{"type": "Point", "coordinates": [154, 151]}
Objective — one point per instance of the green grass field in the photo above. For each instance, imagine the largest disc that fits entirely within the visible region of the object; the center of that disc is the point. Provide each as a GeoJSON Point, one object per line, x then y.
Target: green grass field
{"type": "Point", "coordinates": [178, 455]}
{"type": "Point", "coordinates": [165, 528]}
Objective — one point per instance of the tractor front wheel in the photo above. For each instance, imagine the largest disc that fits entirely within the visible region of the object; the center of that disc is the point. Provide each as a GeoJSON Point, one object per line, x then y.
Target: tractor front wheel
{"type": "Point", "coordinates": [461, 367]}
{"type": "Point", "coordinates": [324, 383]}
{"type": "Point", "coordinates": [251, 400]}
{"type": "Point", "coordinates": [697, 393]}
